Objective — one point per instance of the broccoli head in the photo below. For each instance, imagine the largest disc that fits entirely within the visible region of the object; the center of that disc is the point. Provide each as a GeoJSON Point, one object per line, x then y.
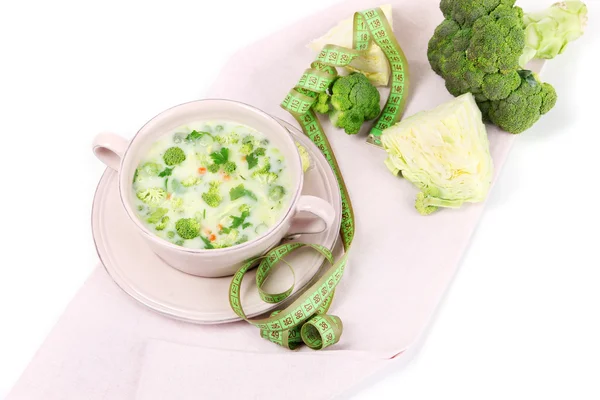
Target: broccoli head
{"type": "Point", "coordinates": [524, 106]}
{"type": "Point", "coordinates": [354, 100]}
{"type": "Point", "coordinates": [476, 49]}
{"type": "Point", "coordinates": [152, 196]}
{"type": "Point", "coordinates": [212, 197]}
{"type": "Point", "coordinates": [187, 228]}
{"type": "Point", "coordinates": [174, 156]}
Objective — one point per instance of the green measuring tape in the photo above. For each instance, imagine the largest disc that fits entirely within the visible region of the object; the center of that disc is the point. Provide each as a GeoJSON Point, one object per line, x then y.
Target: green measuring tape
{"type": "Point", "coordinates": [306, 319]}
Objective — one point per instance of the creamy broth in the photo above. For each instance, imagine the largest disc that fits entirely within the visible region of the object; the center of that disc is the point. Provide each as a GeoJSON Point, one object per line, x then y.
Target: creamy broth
{"type": "Point", "coordinates": [211, 185]}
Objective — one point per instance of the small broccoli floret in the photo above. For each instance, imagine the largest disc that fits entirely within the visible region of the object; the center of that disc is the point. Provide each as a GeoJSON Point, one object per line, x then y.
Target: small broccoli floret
{"type": "Point", "coordinates": [146, 170]}
{"type": "Point", "coordinates": [213, 198]}
{"type": "Point", "coordinates": [176, 203]}
{"type": "Point", "coordinates": [152, 196]}
{"type": "Point", "coordinates": [214, 168]}
{"type": "Point", "coordinates": [174, 156]}
{"type": "Point", "coordinates": [264, 175]}
{"type": "Point", "coordinates": [229, 167]}
{"type": "Point", "coordinates": [230, 138]}
{"type": "Point", "coordinates": [246, 148]}
{"type": "Point", "coordinates": [156, 215]}
{"type": "Point", "coordinates": [322, 105]}
{"type": "Point", "coordinates": [151, 168]}
{"type": "Point", "coordinates": [260, 151]}
{"type": "Point", "coordinates": [162, 224]}
{"type": "Point", "coordinates": [171, 234]}
{"type": "Point", "coordinates": [191, 181]}
{"type": "Point", "coordinates": [187, 228]}
{"type": "Point", "coordinates": [263, 170]}
{"type": "Point", "coordinates": [276, 193]}
{"type": "Point", "coordinates": [354, 100]}
{"type": "Point", "coordinates": [244, 208]}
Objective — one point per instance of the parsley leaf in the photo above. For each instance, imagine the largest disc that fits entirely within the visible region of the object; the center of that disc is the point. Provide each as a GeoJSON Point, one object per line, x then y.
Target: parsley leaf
{"type": "Point", "coordinates": [252, 160]}
{"type": "Point", "coordinates": [239, 191]}
{"type": "Point", "coordinates": [220, 157]}
{"type": "Point", "coordinates": [207, 243]}
{"type": "Point", "coordinates": [195, 135]}
{"type": "Point", "coordinates": [246, 224]}
{"type": "Point", "coordinates": [238, 221]}
{"type": "Point", "coordinates": [225, 230]}
{"type": "Point", "coordinates": [166, 172]}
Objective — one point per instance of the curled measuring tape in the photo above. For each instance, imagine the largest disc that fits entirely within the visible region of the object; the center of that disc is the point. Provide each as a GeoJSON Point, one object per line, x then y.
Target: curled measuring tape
{"type": "Point", "coordinates": [306, 319]}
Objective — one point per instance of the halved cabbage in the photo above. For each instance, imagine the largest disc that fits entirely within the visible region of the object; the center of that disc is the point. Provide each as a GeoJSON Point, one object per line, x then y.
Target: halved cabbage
{"type": "Point", "coordinates": [444, 152]}
{"type": "Point", "coordinates": [373, 63]}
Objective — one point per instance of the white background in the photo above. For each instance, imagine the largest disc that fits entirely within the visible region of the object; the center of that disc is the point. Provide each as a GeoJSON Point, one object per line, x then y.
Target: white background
{"type": "Point", "coordinates": [522, 318]}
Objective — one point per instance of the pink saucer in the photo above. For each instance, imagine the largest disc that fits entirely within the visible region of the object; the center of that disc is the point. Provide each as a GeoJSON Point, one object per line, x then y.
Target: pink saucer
{"type": "Point", "coordinates": [149, 280]}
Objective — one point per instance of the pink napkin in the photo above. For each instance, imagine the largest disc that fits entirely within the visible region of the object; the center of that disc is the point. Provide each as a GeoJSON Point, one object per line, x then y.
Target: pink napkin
{"type": "Point", "coordinates": [106, 346]}
{"type": "Point", "coordinates": [248, 375]}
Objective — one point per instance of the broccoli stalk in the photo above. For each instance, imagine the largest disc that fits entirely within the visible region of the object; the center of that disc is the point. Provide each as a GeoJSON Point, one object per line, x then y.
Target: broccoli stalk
{"type": "Point", "coordinates": [426, 204]}
{"type": "Point", "coordinates": [547, 33]}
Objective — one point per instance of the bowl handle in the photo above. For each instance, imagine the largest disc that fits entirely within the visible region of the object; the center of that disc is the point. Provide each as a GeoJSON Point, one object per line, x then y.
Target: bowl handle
{"type": "Point", "coordinates": [109, 148]}
{"type": "Point", "coordinates": [321, 209]}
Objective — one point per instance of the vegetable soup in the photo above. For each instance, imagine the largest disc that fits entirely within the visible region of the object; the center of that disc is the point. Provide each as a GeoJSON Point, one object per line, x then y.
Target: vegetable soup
{"type": "Point", "coordinates": [210, 185]}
